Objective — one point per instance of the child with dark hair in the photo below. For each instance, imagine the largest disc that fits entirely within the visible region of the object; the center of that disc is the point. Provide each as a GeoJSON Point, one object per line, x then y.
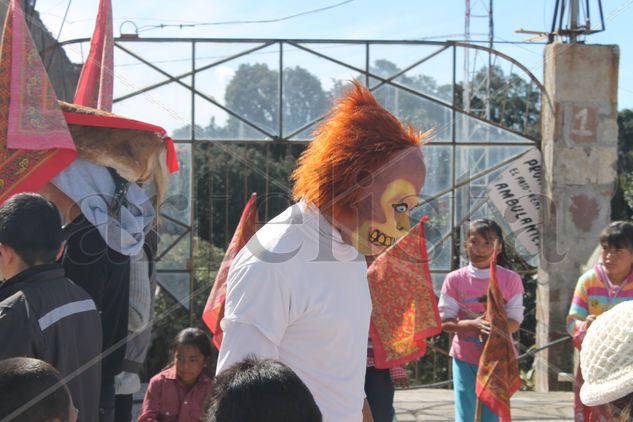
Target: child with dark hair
{"type": "Point", "coordinates": [31, 226]}
{"type": "Point", "coordinates": [608, 283]}
{"type": "Point", "coordinates": [180, 392]}
{"type": "Point", "coordinates": [33, 391]}
{"type": "Point", "coordinates": [262, 390]}
{"type": "Point", "coordinates": [462, 307]}
{"type": "Point", "coordinates": [43, 314]}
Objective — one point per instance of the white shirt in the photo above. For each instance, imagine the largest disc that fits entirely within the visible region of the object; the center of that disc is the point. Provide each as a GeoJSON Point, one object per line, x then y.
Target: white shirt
{"type": "Point", "coordinates": [298, 294]}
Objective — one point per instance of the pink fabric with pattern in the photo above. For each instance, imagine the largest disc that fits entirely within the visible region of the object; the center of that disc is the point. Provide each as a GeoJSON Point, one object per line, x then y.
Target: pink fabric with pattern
{"type": "Point", "coordinates": [35, 120]}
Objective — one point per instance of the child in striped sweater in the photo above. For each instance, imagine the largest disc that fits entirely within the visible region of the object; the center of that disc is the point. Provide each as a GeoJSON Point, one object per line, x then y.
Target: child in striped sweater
{"type": "Point", "coordinates": [605, 285]}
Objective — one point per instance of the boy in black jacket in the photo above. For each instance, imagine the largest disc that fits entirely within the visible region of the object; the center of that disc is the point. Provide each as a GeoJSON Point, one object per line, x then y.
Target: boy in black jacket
{"type": "Point", "coordinates": [43, 314]}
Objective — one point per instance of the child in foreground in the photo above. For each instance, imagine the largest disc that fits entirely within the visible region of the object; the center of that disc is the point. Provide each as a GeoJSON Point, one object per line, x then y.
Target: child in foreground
{"type": "Point", "coordinates": [607, 364]}
{"type": "Point", "coordinates": [180, 391]}
{"type": "Point", "coordinates": [605, 285]}
{"type": "Point", "coordinates": [462, 307]}
{"type": "Point", "coordinates": [262, 390]}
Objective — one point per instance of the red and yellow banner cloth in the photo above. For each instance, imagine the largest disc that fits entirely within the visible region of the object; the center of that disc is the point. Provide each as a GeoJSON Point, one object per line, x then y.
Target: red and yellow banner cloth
{"type": "Point", "coordinates": [498, 374]}
{"type": "Point", "coordinates": [214, 309]}
{"type": "Point", "coordinates": [95, 86]}
{"type": "Point", "coordinates": [405, 309]}
{"type": "Point", "coordinates": [35, 144]}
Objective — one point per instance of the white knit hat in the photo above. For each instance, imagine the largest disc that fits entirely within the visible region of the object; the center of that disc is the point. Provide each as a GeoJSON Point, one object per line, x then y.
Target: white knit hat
{"type": "Point", "coordinates": [606, 357]}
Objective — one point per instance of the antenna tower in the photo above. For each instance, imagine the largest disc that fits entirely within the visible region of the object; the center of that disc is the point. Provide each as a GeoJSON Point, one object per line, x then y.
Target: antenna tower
{"type": "Point", "coordinates": [479, 16]}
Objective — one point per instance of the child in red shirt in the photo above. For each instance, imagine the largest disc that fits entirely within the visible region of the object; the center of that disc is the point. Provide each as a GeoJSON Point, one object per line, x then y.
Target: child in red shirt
{"type": "Point", "coordinates": [179, 393]}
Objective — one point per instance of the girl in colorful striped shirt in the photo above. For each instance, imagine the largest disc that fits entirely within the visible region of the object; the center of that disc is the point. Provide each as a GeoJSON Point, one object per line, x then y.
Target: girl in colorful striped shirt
{"type": "Point", "coordinates": [608, 283]}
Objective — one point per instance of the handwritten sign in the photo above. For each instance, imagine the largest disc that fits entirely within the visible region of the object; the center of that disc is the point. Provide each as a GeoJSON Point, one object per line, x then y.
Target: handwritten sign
{"type": "Point", "coordinates": [516, 193]}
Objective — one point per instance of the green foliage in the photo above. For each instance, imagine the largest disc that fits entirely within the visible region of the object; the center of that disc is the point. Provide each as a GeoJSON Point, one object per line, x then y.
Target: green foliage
{"type": "Point", "coordinates": [253, 93]}
{"type": "Point", "coordinates": [304, 99]}
{"type": "Point", "coordinates": [228, 174]}
{"type": "Point", "coordinates": [170, 316]}
{"type": "Point", "coordinates": [409, 108]}
{"type": "Point", "coordinates": [514, 102]}
{"type": "Point", "coordinates": [622, 202]}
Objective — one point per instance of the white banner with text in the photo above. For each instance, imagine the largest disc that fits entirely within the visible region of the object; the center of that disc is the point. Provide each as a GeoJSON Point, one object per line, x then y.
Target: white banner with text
{"type": "Point", "coordinates": [516, 193]}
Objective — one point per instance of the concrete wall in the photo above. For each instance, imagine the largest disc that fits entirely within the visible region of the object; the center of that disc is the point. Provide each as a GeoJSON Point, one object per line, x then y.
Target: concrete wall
{"type": "Point", "coordinates": [579, 146]}
{"type": "Point", "coordinates": [63, 73]}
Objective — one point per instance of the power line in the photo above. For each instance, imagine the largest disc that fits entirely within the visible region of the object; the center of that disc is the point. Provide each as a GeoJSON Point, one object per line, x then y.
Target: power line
{"type": "Point", "coordinates": [285, 18]}
{"type": "Point", "coordinates": [51, 7]}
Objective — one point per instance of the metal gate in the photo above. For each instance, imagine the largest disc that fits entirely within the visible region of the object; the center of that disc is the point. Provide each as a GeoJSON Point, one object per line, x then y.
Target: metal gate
{"type": "Point", "coordinates": [241, 110]}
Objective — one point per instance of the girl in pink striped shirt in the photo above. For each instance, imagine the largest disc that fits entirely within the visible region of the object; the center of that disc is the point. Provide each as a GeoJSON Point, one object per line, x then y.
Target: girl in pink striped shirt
{"type": "Point", "coordinates": [462, 305]}
{"type": "Point", "coordinates": [179, 393]}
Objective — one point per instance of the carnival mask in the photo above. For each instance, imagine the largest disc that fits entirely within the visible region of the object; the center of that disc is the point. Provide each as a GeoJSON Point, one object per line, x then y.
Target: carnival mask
{"type": "Point", "coordinates": [382, 213]}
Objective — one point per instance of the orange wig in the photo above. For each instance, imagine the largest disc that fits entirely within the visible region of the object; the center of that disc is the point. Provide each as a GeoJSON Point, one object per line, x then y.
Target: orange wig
{"type": "Point", "coordinates": [354, 142]}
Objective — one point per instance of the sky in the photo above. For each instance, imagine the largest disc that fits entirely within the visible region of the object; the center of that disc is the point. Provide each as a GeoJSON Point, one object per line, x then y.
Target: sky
{"type": "Point", "coordinates": [344, 19]}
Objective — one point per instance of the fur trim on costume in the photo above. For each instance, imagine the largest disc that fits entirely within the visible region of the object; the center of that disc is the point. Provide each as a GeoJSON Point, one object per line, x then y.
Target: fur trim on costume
{"type": "Point", "coordinates": [356, 139]}
{"type": "Point", "coordinates": [134, 154]}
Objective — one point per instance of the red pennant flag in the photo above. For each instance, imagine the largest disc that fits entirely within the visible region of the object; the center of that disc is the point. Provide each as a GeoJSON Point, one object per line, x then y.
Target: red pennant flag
{"type": "Point", "coordinates": [214, 309]}
{"type": "Point", "coordinates": [404, 304]}
{"type": "Point", "coordinates": [35, 144]}
{"type": "Point", "coordinates": [95, 85]}
{"type": "Point", "coordinates": [498, 375]}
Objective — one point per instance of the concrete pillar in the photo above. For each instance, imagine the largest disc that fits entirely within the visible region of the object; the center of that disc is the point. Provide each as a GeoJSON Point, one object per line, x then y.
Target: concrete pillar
{"type": "Point", "coordinates": [579, 145]}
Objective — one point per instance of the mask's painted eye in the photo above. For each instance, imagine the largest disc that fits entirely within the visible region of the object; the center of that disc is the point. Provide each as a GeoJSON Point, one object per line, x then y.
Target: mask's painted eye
{"type": "Point", "coordinates": [400, 208]}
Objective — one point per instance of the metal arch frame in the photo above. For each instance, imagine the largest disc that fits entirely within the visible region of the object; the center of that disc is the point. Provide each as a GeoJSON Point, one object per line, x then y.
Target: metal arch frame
{"type": "Point", "coordinates": [300, 44]}
{"type": "Point", "coordinates": [304, 45]}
